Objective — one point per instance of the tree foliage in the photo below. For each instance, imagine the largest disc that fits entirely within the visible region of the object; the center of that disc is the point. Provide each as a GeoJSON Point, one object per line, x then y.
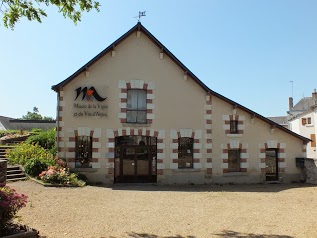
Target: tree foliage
{"type": "Point", "coordinates": [13, 10]}
{"type": "Point", "coordinates": [35, 115]}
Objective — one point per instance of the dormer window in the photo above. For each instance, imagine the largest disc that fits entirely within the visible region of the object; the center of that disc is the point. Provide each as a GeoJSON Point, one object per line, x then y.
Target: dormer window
{"type": "Point", "coordinates": [136, 106]}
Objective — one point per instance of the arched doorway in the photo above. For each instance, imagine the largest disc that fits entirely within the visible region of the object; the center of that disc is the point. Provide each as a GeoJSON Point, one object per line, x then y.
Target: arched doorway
{"type": "Point", "coordinates": [135, 159]}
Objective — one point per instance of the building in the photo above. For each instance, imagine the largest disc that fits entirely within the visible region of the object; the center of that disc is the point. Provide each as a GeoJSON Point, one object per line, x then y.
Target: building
{"type": "Point", "coordinates": [281, 120]}
{"type": "Point", "coordinates": [7, 123]}
{"type": "Point", "coordinates": [135, 113]}
{"type": "Point", "coordinates": [303, 120]}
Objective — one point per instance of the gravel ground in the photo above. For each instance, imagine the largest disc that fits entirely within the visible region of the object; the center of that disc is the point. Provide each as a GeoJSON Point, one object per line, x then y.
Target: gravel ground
{"type": "Point", "coordinates": [250, 211]}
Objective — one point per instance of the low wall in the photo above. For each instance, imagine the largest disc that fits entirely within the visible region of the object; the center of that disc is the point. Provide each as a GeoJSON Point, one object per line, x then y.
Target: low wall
{"type": "Point", "coordinates": [311, 171]}
{"type": "Point", "coordinates": [31, 124]}
{"type": "Point", "coordinates": [3, 171]}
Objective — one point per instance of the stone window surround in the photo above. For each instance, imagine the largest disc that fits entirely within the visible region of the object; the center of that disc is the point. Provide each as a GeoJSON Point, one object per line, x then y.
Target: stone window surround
{"type": "Point", "coordinates": [150, 97]}
{"type": "Point", "coordinates": [197, 148]}
{"type": "Point", "coordinates": [70, 145]}
{"type": "Point", "coordinates": [273, 144]}
{"type": "Point", "coordinates": [244, 156]}
{"type": "Point", "coordinates": [226, 126]}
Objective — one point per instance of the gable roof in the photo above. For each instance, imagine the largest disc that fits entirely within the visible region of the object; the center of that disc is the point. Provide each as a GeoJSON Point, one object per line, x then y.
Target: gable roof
{"type": "Point", "coordinates": [140, 27]}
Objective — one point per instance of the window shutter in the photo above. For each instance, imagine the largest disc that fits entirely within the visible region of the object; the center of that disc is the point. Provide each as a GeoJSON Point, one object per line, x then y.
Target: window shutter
{"type": "Point", "coordinates": [313, 138]}
{"type": "Point", "coordinates": [303, 121]}
{"type": "Point", "coordinates": [308, 120]}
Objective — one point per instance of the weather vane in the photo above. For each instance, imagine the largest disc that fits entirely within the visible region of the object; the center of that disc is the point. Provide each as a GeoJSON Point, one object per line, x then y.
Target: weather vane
{"type": "Point", "coordinates": [141, 14]}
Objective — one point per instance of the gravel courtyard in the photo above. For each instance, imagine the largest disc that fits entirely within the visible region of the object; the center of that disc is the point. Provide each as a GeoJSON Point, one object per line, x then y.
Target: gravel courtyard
{"type": "Point", "coordinates": [250, 211]}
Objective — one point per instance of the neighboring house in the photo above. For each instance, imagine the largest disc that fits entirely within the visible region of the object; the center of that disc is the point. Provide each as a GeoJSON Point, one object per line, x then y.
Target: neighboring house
{"type": "Point", "coordinates": [7, 123]}
{"type": "Point", "coordinates": [303, 120]}
{"type": "Point", "coordinates": [135, 113]}
{"type": "Point", "coordinates": [281, 120]}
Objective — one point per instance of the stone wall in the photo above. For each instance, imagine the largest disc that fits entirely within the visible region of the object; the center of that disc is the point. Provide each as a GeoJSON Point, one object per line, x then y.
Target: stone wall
{"type": "Point", "coordinates": [3, 171]}
{"type": "Point", "coordinates": [311, 171]}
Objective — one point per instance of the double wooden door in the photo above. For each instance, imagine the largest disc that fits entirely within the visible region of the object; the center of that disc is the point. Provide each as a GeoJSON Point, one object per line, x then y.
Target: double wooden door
{"type": "Point", "coordinates": [137, 164]}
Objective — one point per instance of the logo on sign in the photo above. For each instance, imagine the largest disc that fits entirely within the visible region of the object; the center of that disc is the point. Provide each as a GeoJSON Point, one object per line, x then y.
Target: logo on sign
{"type": "Point", "coordinates": [90, 94]}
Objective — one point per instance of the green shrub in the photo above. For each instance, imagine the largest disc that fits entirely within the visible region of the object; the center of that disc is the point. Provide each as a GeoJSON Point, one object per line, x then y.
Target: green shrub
{"type": "Point", "coordinates": [24, 151]}
{"type": "Point", "coordinates": [45, 139]}
{"type": "Point", "coordinates": [35, 166]}
{"type": "Point", "coordinates": [10, 203]}
{"type": "Point", "coordinates": [36, 130]}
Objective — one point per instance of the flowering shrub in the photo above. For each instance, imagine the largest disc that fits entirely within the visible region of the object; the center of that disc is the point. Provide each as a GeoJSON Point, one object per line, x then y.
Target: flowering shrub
{"type": "Point", "coordinates": [59, 176]}
{"type": "Point", "coordinates": [23, 152]}
{"type": "Point", "coordinates": [10, 203]}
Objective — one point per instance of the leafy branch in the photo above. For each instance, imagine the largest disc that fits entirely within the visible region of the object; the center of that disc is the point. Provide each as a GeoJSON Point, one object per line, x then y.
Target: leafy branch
{"type": "Point", "coordinates": [14, 10]}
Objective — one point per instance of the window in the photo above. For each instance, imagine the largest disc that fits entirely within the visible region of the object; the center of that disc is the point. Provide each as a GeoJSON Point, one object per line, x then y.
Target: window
{"type": "Point", "coordinates": [185, 152]}
{"type": "Point", "coordinates": [306, 120]}
{"type": "Point", "coordinates": [233, 127]}
{"type": "Point", "coordinates": [136, 106]}
{"type": "Point", "coordinates": [83, 151]}
{"type": "Point", "coordinates": [234, 160]}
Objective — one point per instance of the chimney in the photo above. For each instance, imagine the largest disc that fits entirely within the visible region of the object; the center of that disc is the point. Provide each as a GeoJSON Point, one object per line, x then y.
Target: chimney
{"type": "Point", "coordinates": [314, 96]}
{"type": "Point", "coordinates": [290, 103]}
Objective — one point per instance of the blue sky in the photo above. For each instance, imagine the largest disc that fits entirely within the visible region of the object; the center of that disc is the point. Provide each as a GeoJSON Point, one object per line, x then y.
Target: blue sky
{"type": "Point", "coordinates": [246, 50]}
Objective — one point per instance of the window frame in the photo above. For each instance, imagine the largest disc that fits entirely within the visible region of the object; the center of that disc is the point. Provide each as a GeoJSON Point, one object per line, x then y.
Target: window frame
{"type": "Point", "coordinates": [137, 110]}
{"type": "Point", "coordinates": [234, 126]}
{"type": "Point", "coordinates": [308, 120]}
{"type": "Point", "coordinates": [238, 154]}
{"type": "Point", "coordinates": [83, 161]}
{"type": "Point", "coordinates": [181, 156]}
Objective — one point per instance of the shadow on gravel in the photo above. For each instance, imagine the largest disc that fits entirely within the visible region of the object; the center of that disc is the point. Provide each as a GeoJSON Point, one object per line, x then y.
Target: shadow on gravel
{"type": "Point", "coordinates": [265, 188]}
{"type": "Point", "coordinates": [234, 234]}
{"type": "Point", "coordinates": [147, 235]}
{"type": "Point", "coordinates": [225, 234]}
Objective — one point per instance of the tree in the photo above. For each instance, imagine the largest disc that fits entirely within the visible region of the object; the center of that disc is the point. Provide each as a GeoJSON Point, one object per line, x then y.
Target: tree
{"type": "Point", "coordinates": [35, 115]}
{"type": "Point", "coordinates": [13, 10]}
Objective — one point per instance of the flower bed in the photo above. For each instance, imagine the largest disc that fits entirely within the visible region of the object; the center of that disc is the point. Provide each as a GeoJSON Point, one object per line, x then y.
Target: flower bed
{"type": "Point", "coordinates": [10, 203]}
{"type": "Point", "coordinates": [60, 176]}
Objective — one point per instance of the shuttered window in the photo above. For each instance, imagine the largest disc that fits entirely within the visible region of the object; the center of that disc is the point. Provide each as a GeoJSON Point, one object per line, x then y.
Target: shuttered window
{"type": "Point", "coordinates": [308, 120]}
{"type": "Point", "coordinates": [234, 160]}
{"type": "Point", "coordinates": [313, 138]}
{"type": "Point", "coordinates": [233, 127]}
{"type": "Point", "coordinates": [304, 121]}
